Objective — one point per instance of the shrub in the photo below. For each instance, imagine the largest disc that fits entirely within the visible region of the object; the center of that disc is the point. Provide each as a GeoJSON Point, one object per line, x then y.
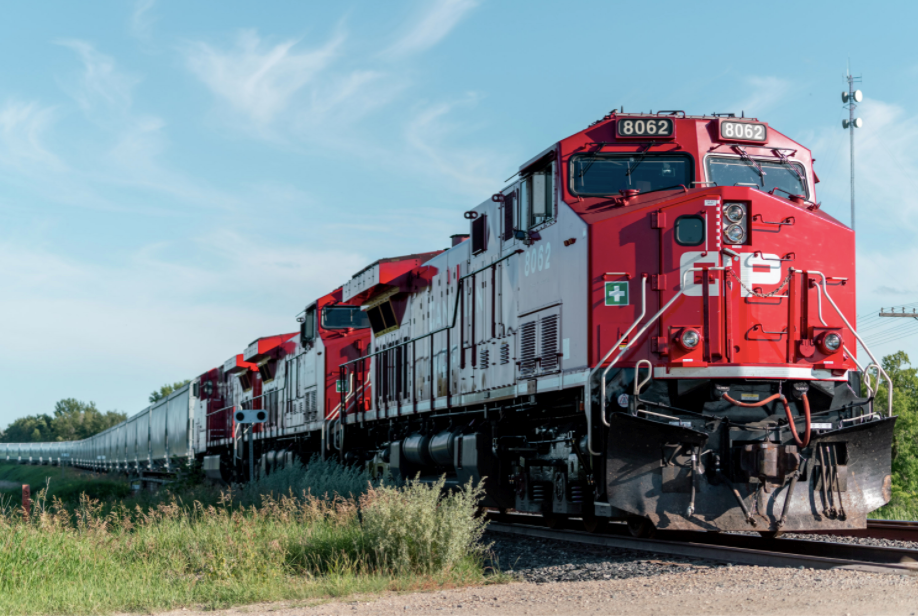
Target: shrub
{"type": "Point", "coordinates": [416, 528]}
{"type": "Point", "coordinates": [325, 479]}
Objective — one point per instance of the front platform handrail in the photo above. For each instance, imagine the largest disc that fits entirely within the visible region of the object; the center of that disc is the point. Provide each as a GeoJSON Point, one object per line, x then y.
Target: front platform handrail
{"type": "Point", "coordinates": [825, 289]}
{"type": "Point", "coordinates": [588, 402]}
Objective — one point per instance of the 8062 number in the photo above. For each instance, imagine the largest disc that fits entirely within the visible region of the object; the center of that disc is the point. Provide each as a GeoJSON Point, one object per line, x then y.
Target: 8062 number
{"type": "Point", "coordinates": [743, 131]}
{"type": "Point", "coordinates": [649, 127]}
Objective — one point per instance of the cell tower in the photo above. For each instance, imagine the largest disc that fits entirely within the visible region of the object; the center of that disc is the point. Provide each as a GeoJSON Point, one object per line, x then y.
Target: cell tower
{"type": "Point", "coordinates": [851, 98]}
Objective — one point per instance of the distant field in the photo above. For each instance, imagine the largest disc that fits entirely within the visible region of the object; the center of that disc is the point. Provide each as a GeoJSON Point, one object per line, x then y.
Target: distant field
{"type": "Point", "coordinates": [66, 485]}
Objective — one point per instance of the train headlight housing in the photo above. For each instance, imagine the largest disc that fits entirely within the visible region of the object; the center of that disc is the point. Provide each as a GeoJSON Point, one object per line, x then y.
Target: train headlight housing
{"type": "Point", "coordinates": [830, 342]}
{"type": "Point", "coordinates": [689, 339]}
{"type": "Point", "coordinates": [735, 222]}
{"type": "Point", "coordinates": [734, 212]}
{"type": "Point", "coordinates": [735, 234]}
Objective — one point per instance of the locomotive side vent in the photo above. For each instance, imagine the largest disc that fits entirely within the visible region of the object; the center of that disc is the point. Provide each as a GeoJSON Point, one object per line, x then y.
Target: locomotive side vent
{"type": "Point", "coordinates": [527, 349]}
{"type": "Point", "coordinates": [483, 356]}
{"type": "Point", "coordinates": [549, 353]}
{"type": "Point", "coordinates": [311, 414]}
{"type": "Point", "coordinates": [504, 354]}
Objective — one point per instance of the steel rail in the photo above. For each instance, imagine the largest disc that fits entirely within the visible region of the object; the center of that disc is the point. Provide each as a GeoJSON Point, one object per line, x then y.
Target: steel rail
{"type": "Point", "coordinates": [894, 530]}
{"type": "Point", "coordinates": [740, 549]}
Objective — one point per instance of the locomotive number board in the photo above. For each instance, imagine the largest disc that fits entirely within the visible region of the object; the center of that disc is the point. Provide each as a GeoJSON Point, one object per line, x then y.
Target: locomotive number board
{"type": "Point", "coordinates": [658, 128]}
{"type": "Point", "coordinates": [754, 132]}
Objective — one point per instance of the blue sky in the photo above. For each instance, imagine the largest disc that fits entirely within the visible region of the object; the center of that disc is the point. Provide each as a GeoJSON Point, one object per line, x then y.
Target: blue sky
{"type": "Point", "coordinates": [177, 179]}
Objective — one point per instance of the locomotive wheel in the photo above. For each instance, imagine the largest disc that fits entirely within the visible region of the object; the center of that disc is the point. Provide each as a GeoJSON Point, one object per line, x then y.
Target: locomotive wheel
{"type": "Point", "coordinates": [641, 527]}
{"type": "Point", "coordinates": [552, 520]}
{"type": "Point", "coordinates": [592, 524]}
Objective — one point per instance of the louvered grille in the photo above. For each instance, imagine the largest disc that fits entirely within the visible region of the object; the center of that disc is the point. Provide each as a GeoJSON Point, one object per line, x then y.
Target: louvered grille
{"type": "Point", "coordinates": [504, 354]}
{"type": "Point", "coordinates": [527, 349]}
{"type": "Point", "coordinates": [311, 414]}
{"type": "Point", "coordinates": [484, 355]}
{"type": "Point", "coordinates": [549, 357]}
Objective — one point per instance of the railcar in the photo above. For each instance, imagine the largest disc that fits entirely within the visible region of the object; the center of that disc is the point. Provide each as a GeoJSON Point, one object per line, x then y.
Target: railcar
{"type": "Point", "coordinates": [653, 322]}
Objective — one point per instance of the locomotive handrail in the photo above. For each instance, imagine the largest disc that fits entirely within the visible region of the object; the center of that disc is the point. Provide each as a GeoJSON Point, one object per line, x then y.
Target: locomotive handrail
{"type": "Point", "coordinates": [459, 286]}
{"type": "Point", "coordinates": [866, 372]}
{"type": "Point", "coordinates": [588, 403]}
{"type": "Point", "coordinates": [825, 289]}
{"type": "Point", "coordinates": [444, 328]}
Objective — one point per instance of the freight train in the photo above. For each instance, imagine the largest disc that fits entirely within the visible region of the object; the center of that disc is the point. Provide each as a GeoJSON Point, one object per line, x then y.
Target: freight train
{"type": "Point", "coordinates": [653, 322]}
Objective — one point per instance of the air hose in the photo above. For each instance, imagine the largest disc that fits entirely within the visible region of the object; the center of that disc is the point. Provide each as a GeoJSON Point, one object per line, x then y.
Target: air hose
{"type": "Point", "coordinates": [801, 442]}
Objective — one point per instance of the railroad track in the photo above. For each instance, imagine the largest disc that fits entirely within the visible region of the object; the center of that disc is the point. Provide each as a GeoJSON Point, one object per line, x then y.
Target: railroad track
{"type": "Point", "coordinates": [726, 547]}
{"type": "Point", "coordinates": [895, 530]}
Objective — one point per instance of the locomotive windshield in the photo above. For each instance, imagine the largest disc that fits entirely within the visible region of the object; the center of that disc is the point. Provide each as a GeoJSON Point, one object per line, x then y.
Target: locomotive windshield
{"type": "Point", "coordinates": [607, 174]}
{"type": "Point", "coordinates": [343, 317]}
{"type": "Point", "coordinates": [766, 175]}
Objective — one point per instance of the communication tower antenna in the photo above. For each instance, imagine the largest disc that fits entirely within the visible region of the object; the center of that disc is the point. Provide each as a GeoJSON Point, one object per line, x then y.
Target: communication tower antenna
{"type": "Point", "coordinates": [851, 98]}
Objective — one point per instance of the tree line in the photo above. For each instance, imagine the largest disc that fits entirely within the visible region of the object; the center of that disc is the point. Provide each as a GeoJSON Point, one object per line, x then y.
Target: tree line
{"type": "Point", "coordinates": [72, 420]}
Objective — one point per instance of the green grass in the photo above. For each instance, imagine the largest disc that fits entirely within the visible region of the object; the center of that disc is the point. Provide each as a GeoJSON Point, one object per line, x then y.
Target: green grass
{"type": "Point", "coordinates": [897, 509]}
{"type": "Point", "coordinates": [96, 558]}
{"type": "Point", "coordinates": [66, 486]}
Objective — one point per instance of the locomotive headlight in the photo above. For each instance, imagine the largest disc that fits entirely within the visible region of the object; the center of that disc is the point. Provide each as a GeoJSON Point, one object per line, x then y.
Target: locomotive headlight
{"type": "Point", "coordinates": [689, 339]}
{"type": "Point", "coordinates": [734, 212]}
{"type": "Point", "coordinates": [735, 234]}
{"type": "Point", "coordinates": [830, 342]}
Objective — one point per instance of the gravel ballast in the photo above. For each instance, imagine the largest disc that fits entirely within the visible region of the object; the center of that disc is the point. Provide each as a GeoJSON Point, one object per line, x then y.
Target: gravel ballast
{"type": "Point", "coordinates": [541, 561]}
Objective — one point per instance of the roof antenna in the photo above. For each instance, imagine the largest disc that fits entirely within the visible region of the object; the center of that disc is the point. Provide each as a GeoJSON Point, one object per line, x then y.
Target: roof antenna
{"type": "Point", "coordinates": [623, 109]}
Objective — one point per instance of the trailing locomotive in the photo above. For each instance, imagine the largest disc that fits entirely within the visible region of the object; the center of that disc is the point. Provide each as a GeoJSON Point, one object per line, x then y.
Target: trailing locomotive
{"type": "Point", "coordinates": [653, 322]}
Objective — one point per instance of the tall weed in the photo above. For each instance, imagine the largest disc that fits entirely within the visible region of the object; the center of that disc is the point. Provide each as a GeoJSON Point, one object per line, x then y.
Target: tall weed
{"type": "Point", "coordinates": [320, 478]}
{"type": "Point", "coordinates": [99, 557]}
{"type": "Point", "coordinates": [415, 528]}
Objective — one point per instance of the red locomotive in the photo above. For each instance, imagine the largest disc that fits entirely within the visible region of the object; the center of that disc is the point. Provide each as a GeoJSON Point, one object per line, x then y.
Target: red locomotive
{"type": "Point", "coordinates": [654, 323]}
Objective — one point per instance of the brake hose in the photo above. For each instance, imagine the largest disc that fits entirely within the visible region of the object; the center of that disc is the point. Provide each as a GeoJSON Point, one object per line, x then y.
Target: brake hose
{"type": "Point", "coordinates": [801, 442]}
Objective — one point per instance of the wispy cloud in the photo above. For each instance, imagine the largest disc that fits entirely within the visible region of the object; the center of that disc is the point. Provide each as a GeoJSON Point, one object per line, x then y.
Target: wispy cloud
{"type": "Point", "coordinates": [887, 168]}
{"type": "Point", "coordinates": [762, 95]}
{"type": "Point", "coordinates": [258, 79]}
{"type": "Point", "coordinates": [151, 300]}
{"type": "Point", "coordinates": [141, 21]}
{"type": "Point", "coordinates": [101, 84]}
{"type": "Point", "coordinates": [430, 27]}
{"type": "Point", "coordinates": [435, 137]}
{"type": "Point", "coordinates": [23, 128]}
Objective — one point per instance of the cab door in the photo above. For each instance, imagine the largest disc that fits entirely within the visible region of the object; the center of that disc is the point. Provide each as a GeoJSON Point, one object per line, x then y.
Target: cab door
{"type": "Point", "coordinates": [691, 329]}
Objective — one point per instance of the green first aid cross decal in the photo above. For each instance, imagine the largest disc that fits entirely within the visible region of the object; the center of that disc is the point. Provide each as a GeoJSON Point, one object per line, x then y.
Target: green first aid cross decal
{"type": "Point", "coordinates": [617, 293]}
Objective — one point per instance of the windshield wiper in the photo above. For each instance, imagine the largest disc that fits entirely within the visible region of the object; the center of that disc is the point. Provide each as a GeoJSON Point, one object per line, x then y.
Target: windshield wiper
{"type": "Point", "coordinates": [787, 162]}
{"type": "Point", "coordinates": [748, 159]}
{"type": "Point", "coordinates": [640, 159]}
{"type": "Point", "coordinates": [594, 158]}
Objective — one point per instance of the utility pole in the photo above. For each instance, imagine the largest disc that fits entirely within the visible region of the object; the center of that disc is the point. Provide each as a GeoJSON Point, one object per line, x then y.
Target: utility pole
{"type": "Point", "coordinates": [851, 98]}
{"type": "Point", "coordinates": [908, 315]}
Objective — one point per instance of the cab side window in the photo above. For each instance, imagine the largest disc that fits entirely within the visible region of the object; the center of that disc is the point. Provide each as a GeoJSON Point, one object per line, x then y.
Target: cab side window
{"type": "Point", "coordinates": [537, 198]}
{"type": "Point", "coordinates": [308, 326]}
